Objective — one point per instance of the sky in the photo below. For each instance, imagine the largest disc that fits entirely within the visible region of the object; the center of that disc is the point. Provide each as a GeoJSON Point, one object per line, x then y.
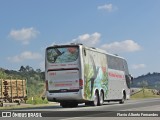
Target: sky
{"type": "Point", "coordinates": [129, 28]}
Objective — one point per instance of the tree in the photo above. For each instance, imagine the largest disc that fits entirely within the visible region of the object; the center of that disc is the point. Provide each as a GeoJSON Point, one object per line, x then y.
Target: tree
{"type": "Point", "coordinates": [157, 86]}
{"type": "Point", "coordinates": [144, 83]}
{"type": "Point", "coordinates": [22, 69]}
{"type": "Point", "coordinates": [38, 70]}
{"type": "Point", "coordinates": [29, 69]}
{"type": "Point", "coordinates": [2, 75]}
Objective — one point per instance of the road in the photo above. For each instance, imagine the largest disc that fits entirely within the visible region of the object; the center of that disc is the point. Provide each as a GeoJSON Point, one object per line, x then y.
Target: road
{"type": "Point", "coordinates": [108, 110]}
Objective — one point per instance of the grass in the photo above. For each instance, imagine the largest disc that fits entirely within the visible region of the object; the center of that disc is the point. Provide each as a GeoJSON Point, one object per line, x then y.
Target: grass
{"type": "Point", "coordinates": [146, 93]}
{"type": "Point", "coordinates": [36, 100]}
{"type": "Point", "coordinates": [25, 106]}
{"type": "Point", "coordinates": [31, 102]}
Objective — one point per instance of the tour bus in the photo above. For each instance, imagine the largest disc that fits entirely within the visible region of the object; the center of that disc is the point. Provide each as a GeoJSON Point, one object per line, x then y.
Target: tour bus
{"type": "Point", "coordinates": [76, 74]}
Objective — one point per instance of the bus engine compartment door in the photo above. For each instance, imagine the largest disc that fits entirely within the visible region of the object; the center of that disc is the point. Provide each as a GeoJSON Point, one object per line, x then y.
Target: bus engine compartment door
{"type": "Point", "coordinates": [63, 80]}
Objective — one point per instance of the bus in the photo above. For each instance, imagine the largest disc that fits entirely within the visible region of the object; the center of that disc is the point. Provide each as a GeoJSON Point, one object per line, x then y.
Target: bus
{"type": "Point", "coordinates": [76, 74]}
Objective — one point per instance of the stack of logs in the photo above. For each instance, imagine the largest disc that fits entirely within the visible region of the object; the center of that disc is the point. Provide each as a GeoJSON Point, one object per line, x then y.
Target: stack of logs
{"type": "Point", "coordinates": [12, 88]}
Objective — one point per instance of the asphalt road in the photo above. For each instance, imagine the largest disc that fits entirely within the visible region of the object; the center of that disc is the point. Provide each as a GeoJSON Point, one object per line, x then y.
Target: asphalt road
{"type": "Point", "coordinates": [108, 110]}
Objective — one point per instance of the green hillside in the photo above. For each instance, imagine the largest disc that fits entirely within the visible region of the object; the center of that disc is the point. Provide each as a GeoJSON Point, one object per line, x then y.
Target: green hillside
{"type": "Point", "coordinates": [150, 81]}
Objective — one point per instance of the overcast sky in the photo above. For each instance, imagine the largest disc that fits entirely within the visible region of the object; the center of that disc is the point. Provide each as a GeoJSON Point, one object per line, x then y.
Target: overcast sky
{"type": "Point", "coordinates": [129, 28]}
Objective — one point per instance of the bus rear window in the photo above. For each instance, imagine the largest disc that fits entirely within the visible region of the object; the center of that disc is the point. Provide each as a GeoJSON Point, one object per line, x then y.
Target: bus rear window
{"type": "Point", "coordinates": [62, 54]}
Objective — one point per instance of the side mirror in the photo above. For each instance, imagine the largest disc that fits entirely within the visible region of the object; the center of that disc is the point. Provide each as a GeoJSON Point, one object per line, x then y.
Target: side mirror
{"type": "Point", "coordinates": [131, 78]}
{"type": "Point", "coordinates": [84, 52]}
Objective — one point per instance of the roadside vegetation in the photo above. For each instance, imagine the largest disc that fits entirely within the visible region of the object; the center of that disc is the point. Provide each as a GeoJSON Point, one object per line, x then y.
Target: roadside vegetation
{"type": "Point", "coordinates": [36, 100]}
{"type": "Point", "coordinates": [145, 93]}
{"type": "Point", "coordinates": [35, 82]}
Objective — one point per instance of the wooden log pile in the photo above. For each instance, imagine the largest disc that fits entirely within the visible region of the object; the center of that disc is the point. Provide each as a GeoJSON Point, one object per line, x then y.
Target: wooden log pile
{"type": "Point", "coordinates": [14, 88]}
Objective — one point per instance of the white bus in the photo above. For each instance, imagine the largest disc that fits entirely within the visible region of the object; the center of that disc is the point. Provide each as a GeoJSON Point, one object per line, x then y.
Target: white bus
{"type": "Point", "coordinates": [79, 74]}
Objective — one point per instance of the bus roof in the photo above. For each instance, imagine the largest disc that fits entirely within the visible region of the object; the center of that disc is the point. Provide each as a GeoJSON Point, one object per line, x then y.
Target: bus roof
{"type": "Point", "coordinates": [87, 47]}
{"type": "Point", "coordinates": [103, 51]}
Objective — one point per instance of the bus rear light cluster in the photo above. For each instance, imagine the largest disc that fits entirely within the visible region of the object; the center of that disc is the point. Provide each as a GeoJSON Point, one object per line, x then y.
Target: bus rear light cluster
{"type": "Point", "coordinates": [80, 83]}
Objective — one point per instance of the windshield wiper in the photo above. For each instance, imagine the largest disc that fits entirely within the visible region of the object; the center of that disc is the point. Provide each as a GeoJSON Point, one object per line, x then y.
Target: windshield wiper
{"type": "Point", "coordinates": [58, 54]}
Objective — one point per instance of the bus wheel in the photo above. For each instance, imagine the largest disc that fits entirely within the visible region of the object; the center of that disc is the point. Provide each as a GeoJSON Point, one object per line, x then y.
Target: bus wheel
{"type": "Point", "coordinates": [123, 98]}
{"type": "Point", "coordinates": [69, 104]}
{"type": "Point", "coordinates": [96, 99]}
{"type": "Point", "coordinates": [64, 104]}
{"type": "Point", "coordinates": [101, 98]}
{"type": "Point", "coordinates": [121, 101]}
{"type": "Point", "coordinates": [89, 103]}
{"type": "Point", "coordinates": [74, 104]}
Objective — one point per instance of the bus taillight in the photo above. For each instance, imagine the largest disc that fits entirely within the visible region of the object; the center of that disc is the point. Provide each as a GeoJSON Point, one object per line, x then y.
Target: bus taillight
{"type": "Point", "coordinates": [46, 85]}
{"type": "Point", "coordinates": [80, 83]}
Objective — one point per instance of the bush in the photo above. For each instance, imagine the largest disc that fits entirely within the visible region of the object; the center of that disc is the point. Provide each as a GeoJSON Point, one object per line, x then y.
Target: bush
{"type": "Point", "coordinates": [36, 100]}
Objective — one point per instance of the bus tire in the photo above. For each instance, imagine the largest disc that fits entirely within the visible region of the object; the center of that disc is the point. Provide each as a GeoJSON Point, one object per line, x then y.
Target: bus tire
{"type": "Point", "coordinates": [101, 98]}
{"type": "Point", "coordinates": [123, 98]}
{"type": "Point", "coordinates": [121, 101]}
{"type": "Point", "coordinates": [69, 104]}
{"type": "Point", "coordinates": [95, 102]}
{"type": "Point", "coordinates": [64, 104]}
{"type": "Point", "coordinates": [74, 104]}
{"type": "Point", "coordinates": [89, 103]}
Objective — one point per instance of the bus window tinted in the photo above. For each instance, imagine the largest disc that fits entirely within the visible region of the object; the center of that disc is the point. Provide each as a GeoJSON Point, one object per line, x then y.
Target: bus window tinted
{"type": "Point", "coordinates": [62, 55]}
{"type": "Point", "coordinates": [115, 63]}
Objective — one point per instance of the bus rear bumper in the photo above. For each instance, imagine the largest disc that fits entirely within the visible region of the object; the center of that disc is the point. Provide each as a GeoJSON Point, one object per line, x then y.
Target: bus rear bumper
{"type": "Point", "coordinates": [65, 96]}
